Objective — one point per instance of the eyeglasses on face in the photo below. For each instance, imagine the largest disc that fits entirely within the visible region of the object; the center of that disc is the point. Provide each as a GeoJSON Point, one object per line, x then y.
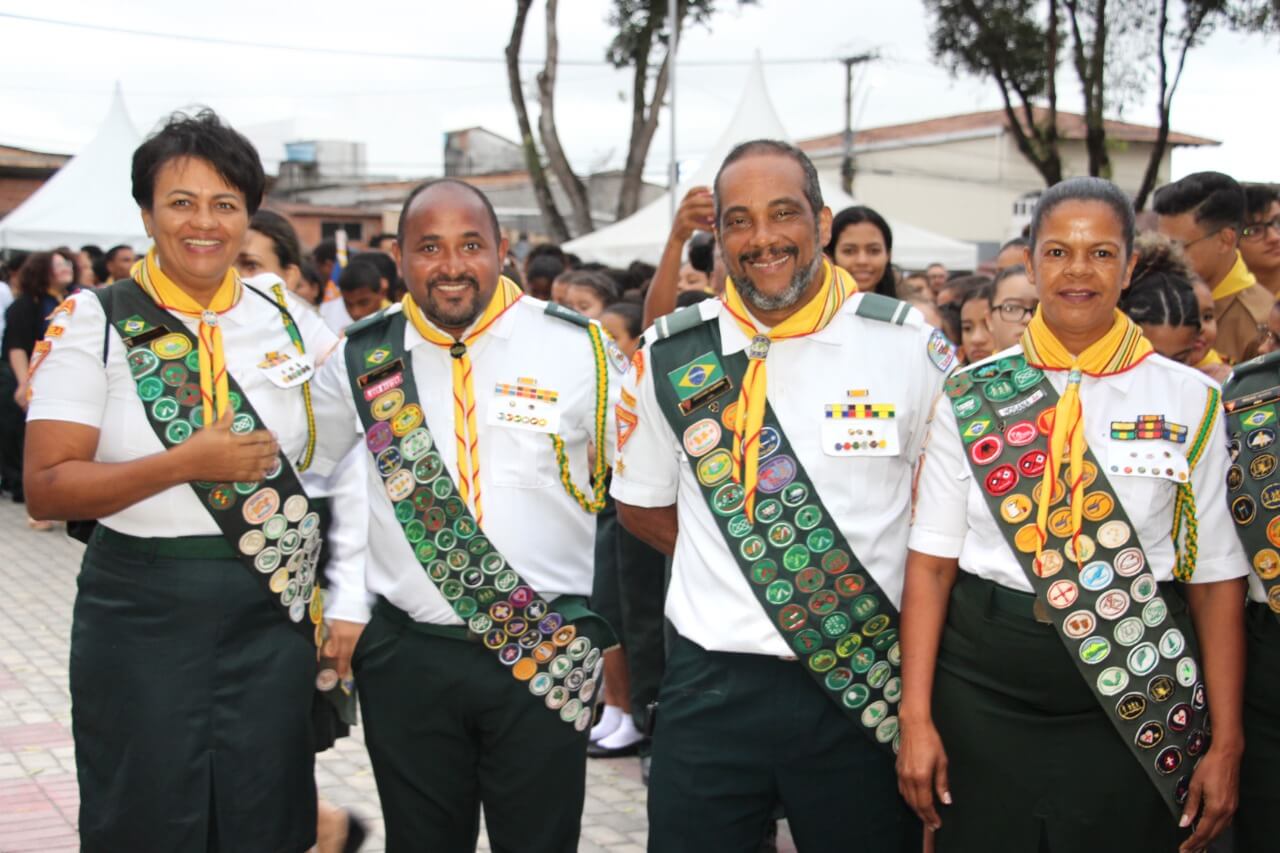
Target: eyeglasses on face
{"type": "Point", "coordinates": [1014, 312]}
{"type": "Point", "coordinates": [1257, 231]}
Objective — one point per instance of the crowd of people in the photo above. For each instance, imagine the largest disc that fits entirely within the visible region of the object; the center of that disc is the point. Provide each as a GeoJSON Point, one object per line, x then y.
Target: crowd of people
{"type": "Point", "coordinates": [895, 554]}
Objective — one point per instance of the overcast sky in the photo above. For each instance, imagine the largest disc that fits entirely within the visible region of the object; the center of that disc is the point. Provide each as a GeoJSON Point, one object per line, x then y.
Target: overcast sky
{"type": "Point", "coordinates": [57, 79]}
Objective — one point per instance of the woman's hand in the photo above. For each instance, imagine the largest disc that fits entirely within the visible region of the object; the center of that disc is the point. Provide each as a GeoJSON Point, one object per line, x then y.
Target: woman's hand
{"type": "Point", "coordinates": [1213, 796]}
{"type": "Point", "coordinates": [922, 771]}
{"type": "Point", "coordinates": [215, 454]}
{"type": "Point", "coordinates": [22, 395]}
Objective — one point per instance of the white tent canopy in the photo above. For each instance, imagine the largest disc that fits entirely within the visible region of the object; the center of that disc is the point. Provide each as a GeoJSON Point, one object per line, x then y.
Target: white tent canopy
{"type": "Point", "coordinates": [88, 200]}
{"type": "Point", "coordinates": [643, 235]}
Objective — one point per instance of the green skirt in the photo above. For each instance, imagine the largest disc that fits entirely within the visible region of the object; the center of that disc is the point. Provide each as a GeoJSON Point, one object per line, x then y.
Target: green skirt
{"type": "Point", "coordinates": [1255, 829]}
{"type": "Point", "coordinates": [191, 700]}
{"type": "Point", "coordinates": [1034, 764]}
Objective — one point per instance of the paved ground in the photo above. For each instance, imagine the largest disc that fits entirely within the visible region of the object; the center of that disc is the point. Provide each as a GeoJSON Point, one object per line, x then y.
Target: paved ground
{"type": "Point", "coordinates": [38, 796]}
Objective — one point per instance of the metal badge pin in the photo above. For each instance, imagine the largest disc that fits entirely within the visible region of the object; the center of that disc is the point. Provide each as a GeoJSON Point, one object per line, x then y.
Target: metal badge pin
{"type": "Point", "coordinates": [209, 318]}
{"type": "Point", "coordinates": [759, 347]}
{"type": "Point", "coordinates": [458, 350]}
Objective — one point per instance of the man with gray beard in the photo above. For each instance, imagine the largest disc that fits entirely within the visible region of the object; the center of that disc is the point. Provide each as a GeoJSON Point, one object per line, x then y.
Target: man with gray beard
{"type": "Point", "coordinates": [767, 442]}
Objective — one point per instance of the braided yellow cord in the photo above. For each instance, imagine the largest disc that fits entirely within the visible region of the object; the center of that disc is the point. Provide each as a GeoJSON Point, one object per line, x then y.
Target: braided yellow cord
{"type": "Point", "coordinates": [596, 502]}
{"type": "Point", "coordinates": [296, 336]}
{"type": "Point", "coordinates": [1184, 512]}
{"type": "Point", "coordinates": [1184, 506]}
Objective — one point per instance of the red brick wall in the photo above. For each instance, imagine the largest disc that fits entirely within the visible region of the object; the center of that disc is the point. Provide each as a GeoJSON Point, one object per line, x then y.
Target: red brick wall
{"type": "Point", "coordinates": [14, 191]}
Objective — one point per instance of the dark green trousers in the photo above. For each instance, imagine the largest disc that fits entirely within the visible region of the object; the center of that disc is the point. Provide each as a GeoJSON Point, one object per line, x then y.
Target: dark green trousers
{"type": "Point", "coordinates": [629, 591]}
{"type": "Point", "coordinates": [1255, 824]}
{"type": "Point", "coordinates": [1033, 762]}
{"type": "Point", "coordinates": [190, 706]}
{"type": "Point", "coordinates": [737, 734]}
{"type": "Point", "coordinates": [449, 729]}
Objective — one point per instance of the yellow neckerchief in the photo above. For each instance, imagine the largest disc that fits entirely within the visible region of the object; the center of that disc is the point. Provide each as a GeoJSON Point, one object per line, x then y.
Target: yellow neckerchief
{"type": "Point", "coordinates": [1237, 280]}
{"type": "Point", "coordinates": [1210, 359]}
{"type": "Point", "coordinates": [1115, 352]}
{"type": "Point", "coordinates": [465, 435]}
{"type": "Point", "coordinates": [172, 298]}
{"type": "Point", "coordinates": [813, 316]}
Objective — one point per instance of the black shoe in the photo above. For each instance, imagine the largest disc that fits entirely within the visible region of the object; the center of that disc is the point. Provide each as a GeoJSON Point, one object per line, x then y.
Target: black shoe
{"type": "Point", "coordinates": [357, 832]}
{"type": "Point", "coordinates": [595, 750]}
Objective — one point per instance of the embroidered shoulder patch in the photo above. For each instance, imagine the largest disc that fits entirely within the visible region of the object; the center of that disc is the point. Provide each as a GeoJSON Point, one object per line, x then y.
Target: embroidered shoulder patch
{"type": "Point", "coordinates": [615, 354]}
{"type": "Point", "coordinates": [941, 353]}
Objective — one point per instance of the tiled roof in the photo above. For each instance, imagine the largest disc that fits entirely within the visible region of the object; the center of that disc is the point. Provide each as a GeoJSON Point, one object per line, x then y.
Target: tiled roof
{"type": "Point", "coordinates": [1070, 126]}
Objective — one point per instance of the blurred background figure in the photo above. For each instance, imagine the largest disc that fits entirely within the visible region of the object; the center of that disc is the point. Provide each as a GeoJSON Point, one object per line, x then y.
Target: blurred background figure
{"type": "Point", "coordinates": [862, 244]}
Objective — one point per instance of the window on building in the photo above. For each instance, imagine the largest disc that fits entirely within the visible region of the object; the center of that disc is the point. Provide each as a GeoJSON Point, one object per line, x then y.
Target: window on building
{"type": "Point", "coordinates": [355, 230]}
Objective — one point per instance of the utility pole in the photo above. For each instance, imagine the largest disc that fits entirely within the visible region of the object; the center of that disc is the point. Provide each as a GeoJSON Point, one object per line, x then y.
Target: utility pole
{"type": "Point", "coordinates": [846, 163]}
{"type": "Point", "coordinates": [673, 24]}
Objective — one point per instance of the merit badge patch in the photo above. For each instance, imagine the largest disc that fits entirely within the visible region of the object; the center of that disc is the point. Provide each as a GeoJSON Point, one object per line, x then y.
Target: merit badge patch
{"type": "Point", "coordinates": [627, 421]}
{"type": "Point", "coordinates": [615, 354]}
{"type": "Point", "coordinates": [698, 381]}
{"type": "Point", "coordinates": [941, 353]}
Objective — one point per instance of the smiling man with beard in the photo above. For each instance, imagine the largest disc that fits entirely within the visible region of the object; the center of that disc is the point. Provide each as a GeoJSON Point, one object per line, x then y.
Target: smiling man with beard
{"type": "Point", "coordinates": [487, 417]}
{"type": "Point", "coordinates": [770, 448]}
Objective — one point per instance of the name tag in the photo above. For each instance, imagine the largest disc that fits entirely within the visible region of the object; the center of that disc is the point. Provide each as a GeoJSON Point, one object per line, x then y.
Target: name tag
{"type": "Point", "coordinates": [860, 429]}
{"type": "Point", "coordinates": [287, 369]}
{"type": "Point", "coordinates": [524, 406]}
{"type": "Point", "coordinates": [1160, 459]}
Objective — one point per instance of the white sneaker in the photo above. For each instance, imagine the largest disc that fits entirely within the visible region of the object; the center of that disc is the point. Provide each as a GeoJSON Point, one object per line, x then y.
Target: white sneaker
{"type": "Point", "coordinates": [610, 718]}
{"type": "Point", "coordinates": [624, 736]}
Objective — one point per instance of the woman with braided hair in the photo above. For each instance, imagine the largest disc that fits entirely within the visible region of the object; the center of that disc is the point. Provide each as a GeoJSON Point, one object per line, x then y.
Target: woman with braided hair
{"type": "Point", "coordinates": [1161, 299]}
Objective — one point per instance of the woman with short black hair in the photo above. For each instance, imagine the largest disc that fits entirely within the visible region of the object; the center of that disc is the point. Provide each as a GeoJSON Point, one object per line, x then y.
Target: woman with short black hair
{"type": "Point", "coordinates": [1064, 623]}
{"type": "Point", "coordinates": [174, 408]}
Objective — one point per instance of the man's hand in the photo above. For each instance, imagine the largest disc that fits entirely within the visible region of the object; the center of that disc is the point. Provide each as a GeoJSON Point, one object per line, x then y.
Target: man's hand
{"type": "Point", "coordinates": [697, 212]}
{"type": "Point", "coordinates": [343, 637]}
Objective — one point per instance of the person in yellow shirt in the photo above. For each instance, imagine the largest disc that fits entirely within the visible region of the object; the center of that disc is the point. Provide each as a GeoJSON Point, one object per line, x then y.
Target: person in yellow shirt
{"type": "Point", "coordinates": [1260, 237]}
{"type": "Point", "coordinates": [1204, 214]}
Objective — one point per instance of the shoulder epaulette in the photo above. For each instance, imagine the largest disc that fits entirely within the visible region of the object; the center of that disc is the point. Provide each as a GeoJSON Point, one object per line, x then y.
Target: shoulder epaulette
{"type": "Point", "coordinates": [373, 319]}
{"type": "Point", "coordinates": [680, 320]}
{"type": "Point", "coordinates": [568, 315]}
{"type": "Point", "coordinates": [1249, 378]}
{"type": "Point", "coordinates": [886, 309]}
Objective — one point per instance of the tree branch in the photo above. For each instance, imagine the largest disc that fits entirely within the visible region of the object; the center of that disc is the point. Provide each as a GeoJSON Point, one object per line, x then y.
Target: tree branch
{"type": "Point", "coordinates": [556, 158]}
{"type": "Point", "coordinates": [557, 230]}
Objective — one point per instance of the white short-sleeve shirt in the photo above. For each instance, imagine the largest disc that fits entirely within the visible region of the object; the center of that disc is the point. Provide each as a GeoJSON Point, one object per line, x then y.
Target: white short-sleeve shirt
{"type": "Point", "coordinates": [953, 519]}
{"type": "Point", "coordinates": [853, 360]}
{"type": "Point", "coordinates": [528, 516]}
{"type": "Point", "coordinates": [72, 384]}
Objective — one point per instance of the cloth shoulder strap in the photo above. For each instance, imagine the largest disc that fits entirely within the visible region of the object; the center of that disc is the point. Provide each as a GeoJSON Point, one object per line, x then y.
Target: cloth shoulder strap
{"type": "Point", "coordinates": [885, 309]}
{"type": "Point", "coordinates": [558, 311]}
{"type": "Point", "coordinates": [818, 595]}
{"type": "Point", "coordinates": [1252, 396]}
{"type": "Point", "coordinates": [534, 641]}
{"type": "Point", "coordinates": [1108, 612]}
{"type": "Point", "coordinates": [678, 321]}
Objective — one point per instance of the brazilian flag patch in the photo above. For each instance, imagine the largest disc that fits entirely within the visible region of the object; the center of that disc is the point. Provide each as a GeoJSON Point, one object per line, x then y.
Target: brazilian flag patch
{"type": "Point", "coordinates": [376, 356]}
{"type": "Point", "coordinates": [699, 381]}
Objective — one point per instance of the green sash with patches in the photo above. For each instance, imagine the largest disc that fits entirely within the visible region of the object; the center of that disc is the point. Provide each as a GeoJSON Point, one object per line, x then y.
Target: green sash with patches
{"type": "Point", "coordinates": [1110, 615]}
{"type": "Point", "coordinates": [535, 641]}
{"type": "Point", "coordinates": [1253, 483]}
{"type": "Point", "coordinates": [800, 567]}
{"type": "Point", "coordinates": [273, 525]}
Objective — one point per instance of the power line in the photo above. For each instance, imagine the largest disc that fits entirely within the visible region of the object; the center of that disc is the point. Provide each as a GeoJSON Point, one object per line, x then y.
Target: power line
{"type": "Point", "coordinates": [374, 54]}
